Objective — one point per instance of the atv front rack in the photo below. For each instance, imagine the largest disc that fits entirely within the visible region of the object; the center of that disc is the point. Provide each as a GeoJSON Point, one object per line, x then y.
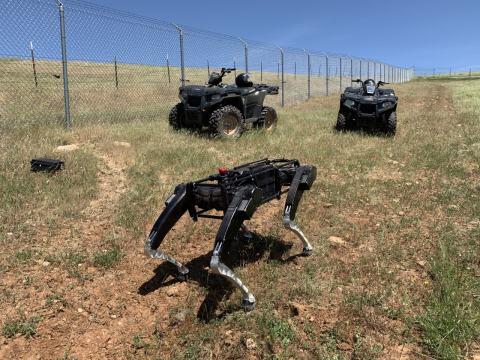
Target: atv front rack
{"type": "Point", "coordinates": [237, 193]}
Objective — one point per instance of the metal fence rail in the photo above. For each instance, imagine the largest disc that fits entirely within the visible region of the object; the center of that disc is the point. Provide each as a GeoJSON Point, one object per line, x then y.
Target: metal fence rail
{"type": "Point", "coordinates": [78, 63]}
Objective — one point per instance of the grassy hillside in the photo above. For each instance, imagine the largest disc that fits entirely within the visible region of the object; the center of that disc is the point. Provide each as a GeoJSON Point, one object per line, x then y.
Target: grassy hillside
{"type": "Point", "coordinates": [401, 283]}
{"type": "Point", "coordinates": [143, 92]}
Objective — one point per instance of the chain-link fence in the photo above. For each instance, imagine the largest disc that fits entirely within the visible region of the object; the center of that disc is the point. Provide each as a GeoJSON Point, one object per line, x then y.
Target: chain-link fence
{"type": "Point", "coordinates": [466, 71]}
{"type": "Point", "coordinates": [81, 63]}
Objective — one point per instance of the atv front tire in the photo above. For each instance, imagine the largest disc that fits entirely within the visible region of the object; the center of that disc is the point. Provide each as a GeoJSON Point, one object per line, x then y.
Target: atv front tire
{"type": "Point", "coordinates": [226, 122]}
{"type": "Point", "coordinates": [268, 119]}
{"type": "Point", "coordinates": [341, 124]}
{"type": "Point", "coordinates": [176, 116]}
{"type": "Point", "coordinates": [391, 124]}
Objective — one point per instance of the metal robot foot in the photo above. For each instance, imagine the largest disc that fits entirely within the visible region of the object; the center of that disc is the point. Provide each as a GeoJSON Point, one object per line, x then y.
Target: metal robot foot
{"type": "Point", "coordinates": [182, 273]}
{"type": "Point", "coordinates": [248, 305]}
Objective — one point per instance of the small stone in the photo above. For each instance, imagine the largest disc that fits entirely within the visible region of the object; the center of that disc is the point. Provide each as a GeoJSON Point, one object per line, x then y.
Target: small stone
{"type": "Point", "coordinates": [250, 344]}
{"type": "Point", "coordinates": [67, 148]}
{"type": "Point", "coordinates": [228, 333]}
{"type": "Point", "coordinates": [122, 144]}
{"type": "Point", "coordinates": [327, 205]}
{"type": "Point", "coordinates": [452, 207]}
{"type": "Point", "coordinates": [335, 240]}
{"type": "Point", "coordinates": [344, 346]}
{"type": "Point", "coordinates": [11, 234]}
{"type": "Point", "coordinates": [80, 310]}
{"type": "Point", "coordinates": [421, 263]}
{"type": "Point", "coordinates": [401, 213]}
{"type": "Point", "coordinates": [113, 316]}
{"type": "Point", "coordinates": [311, 318]}
{"type": "Point", "coordinates": [45, 263]}
{"type": "Point", "coordinates": [180, 316]}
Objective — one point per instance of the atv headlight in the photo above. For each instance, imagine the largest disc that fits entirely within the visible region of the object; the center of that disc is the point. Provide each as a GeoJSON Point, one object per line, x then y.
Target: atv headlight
{"type": "Point", "coordinates": [386, 104]}
{"type": "Point", "coordinates": [216, 97]}
{"type": "Point", "coordinates": [349, 103]}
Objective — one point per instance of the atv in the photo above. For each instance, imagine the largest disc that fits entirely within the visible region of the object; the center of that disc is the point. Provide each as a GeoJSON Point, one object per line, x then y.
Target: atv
{"type": "Point", "coordinates": [224, 109]}
{"type": "Point", "coordinates": [368, 106]}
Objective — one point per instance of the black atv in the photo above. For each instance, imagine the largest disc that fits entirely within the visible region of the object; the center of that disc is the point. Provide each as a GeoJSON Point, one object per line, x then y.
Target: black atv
{"type": "Point", "coordinates": [224, 109]}
{"type": "Point", "coordinates": [369, 107]}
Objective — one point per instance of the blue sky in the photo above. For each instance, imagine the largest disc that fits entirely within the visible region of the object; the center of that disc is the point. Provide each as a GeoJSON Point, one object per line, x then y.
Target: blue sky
{"type": "Point", "coordinates": [424, 33]}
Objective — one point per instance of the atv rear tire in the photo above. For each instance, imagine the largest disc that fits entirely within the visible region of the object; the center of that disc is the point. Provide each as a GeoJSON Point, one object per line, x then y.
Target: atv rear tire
{"type": "Point", "coordinates": [341, 124]}
{"type": "Point", "coordinates": [268, 119]}
{"type": "Point", "coordinates": [176, 116]}
{"type": "Point", "coordinates": [391, 124]}
{"type": "Point", "coordinates": [226, 122]}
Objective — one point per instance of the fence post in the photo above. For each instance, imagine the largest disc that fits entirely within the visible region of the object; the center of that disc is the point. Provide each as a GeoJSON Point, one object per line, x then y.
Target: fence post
{"type": "Point", "coordinates": [63, 41]}
{"type": "Point", "coordinates": [375, 71]}
{"type": "Point", "coordinates": [168, 70]}
{"type": "Point", "coordinates": [340, 73]}
{"type": "Point", "coordinates": [360, 70]}
{"type": "Point", "coordinates": [33, 64]}
{"type": "Point", "coordinates": [368, 69]}
{"type": "Point", "coordinates": [283, 75]}
{"type": "Point", "coordinates": [182, 54]}
{"type": "Point", "coordinates": [116, 71]}
{"type": "Point", "coordinates": [308, 74]}
{"type": "Point", "coordinates": [245, 50]}
{"type": "Point", "coordinates": [208, 68]}
{"type": "Point", "coordinates": [351, 70]}
{"type": "Point", "coordinates": [261, 70]}
{"type": "Point", "coordinates": [327, 73]}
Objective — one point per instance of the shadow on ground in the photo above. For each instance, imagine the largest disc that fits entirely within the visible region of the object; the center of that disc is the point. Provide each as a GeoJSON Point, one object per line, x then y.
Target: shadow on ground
{"type": "Point", "coordinates": [240, 253]}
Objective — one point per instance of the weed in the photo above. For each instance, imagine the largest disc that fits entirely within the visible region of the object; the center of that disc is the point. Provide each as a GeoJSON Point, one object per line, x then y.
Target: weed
{"type": "Point", "coordinates": [23, 326]}
{"type": "Point", "coordinates": [107, 258]}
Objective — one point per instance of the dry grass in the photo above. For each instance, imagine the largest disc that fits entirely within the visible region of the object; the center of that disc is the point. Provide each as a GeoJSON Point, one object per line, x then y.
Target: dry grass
{"type": "Point", "coordinates": [144, 92]}
{"type": "Point", "coordinates": [404, 285]}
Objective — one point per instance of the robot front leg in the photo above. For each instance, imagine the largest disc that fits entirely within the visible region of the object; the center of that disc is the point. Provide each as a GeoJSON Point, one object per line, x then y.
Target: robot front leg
{"type": "Point", "coordinates": [242, 207]}
{"type": "Point", "coordinates": [302, 180]}
{"type": "Point", "coordinates": [175, 207]}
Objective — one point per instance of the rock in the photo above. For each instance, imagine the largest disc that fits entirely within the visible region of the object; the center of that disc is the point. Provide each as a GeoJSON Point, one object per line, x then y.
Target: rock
{"type": "Point", "coordinates": [335, 240]}
{"type": "Point", "coordinates": [344, 346]}
{"type": "Point", "coordinates": [122, 144]}
{"type": "Point", "coordinates": [67, 148]}
{"type": "Point", "coordinates": [11, 234]}
{"type": "Point", "coordinates": [172, 291]}
{"type": "Point", "coordinates": [180, 316]}
{"type": "Point", "coordinates": [80, 310]}
{"type": "Point", "coordinates": [421, 263]}
{"type": "Point", "coordinates": [452, 207]}
{"type": "Point", "coordinates": [45, 263]}
{"type": "Point", "coordinates": [250, 344]}
{"type": "Point", "coordinates": [401, 213]}
{"type": "Point", "coordinates": [327, 205]}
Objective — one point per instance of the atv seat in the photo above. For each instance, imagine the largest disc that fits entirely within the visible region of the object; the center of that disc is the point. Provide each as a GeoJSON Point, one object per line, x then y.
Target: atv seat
{"type": "Point", "coordinates": [246, 90]}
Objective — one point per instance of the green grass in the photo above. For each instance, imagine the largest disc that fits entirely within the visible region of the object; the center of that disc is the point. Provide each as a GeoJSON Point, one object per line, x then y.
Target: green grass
{"type": "Point", "coordinates": [23, 326]}
{"type": "Point", "coordinates": [107, 258]}
{"type": "Point", "coordinates": [452, 317]}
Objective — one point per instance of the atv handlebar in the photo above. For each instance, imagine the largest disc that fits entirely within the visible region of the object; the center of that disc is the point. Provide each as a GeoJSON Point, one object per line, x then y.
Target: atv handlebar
{"type": "Point", "coordinates": [227, 70]}
{"type": "Point", "coordinates": [381, 83]}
